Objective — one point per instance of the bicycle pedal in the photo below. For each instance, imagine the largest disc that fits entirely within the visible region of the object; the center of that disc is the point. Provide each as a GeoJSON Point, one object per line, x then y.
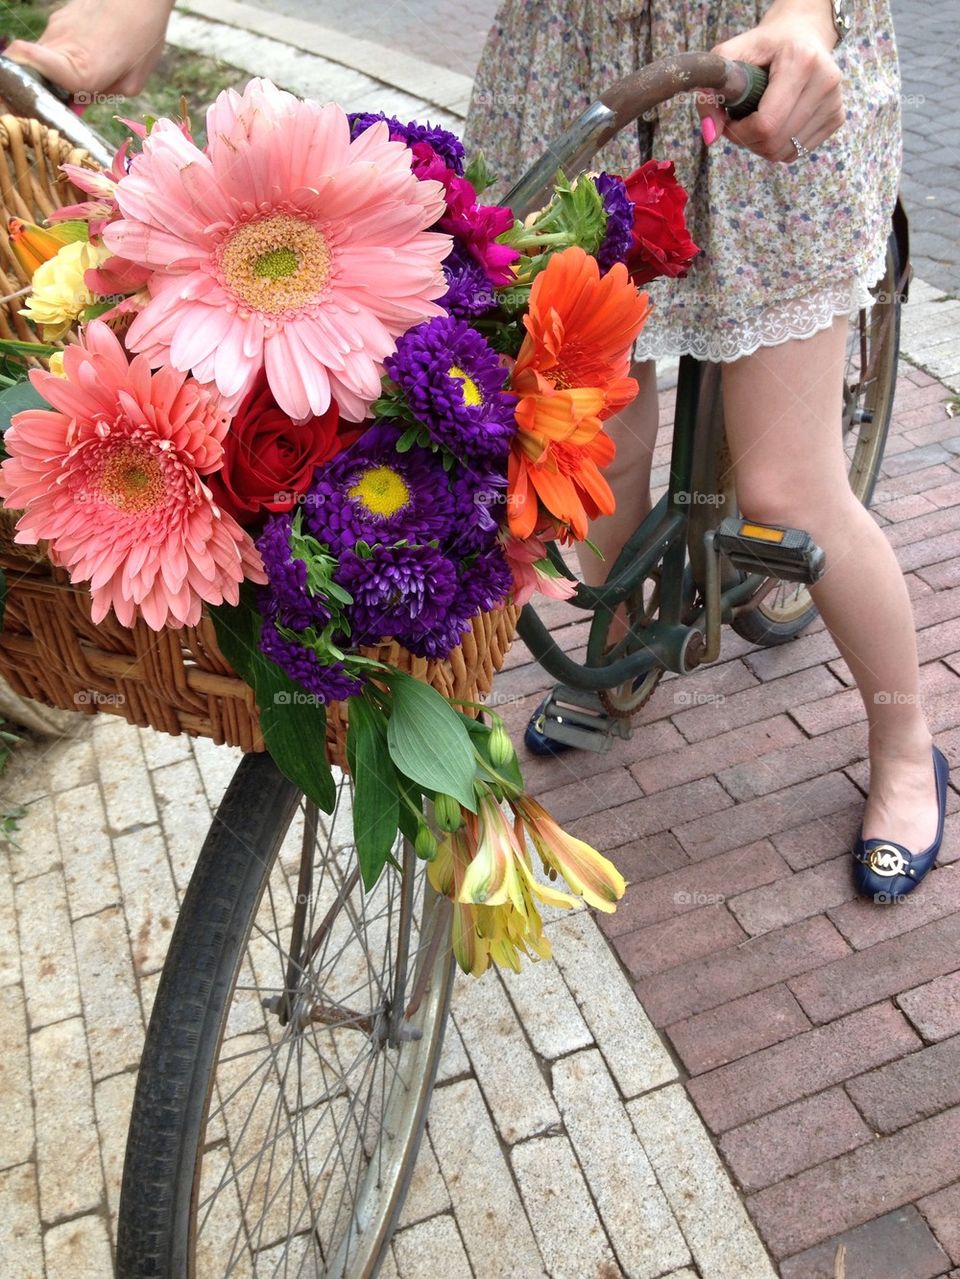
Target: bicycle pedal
{"type": "Point", "coordinates": [770, 549]}
{"type": "Point", "coordinates": [578, 719]}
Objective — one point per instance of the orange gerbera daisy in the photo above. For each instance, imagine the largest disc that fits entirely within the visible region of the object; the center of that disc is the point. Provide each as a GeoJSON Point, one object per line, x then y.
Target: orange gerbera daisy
{"type": "Point", "coordinates": [575, 360]}
{"type": "Point", "coordinates": [571, 374]}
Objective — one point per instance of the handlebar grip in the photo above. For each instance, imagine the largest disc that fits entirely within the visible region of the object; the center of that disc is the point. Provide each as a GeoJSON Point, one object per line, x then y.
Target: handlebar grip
{"type": "Point", "coordinates": [749, 100]}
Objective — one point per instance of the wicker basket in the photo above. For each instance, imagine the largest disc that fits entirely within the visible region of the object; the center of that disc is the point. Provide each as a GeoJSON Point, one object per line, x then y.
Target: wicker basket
{"type": "Point", "coordinates": [175, 681]}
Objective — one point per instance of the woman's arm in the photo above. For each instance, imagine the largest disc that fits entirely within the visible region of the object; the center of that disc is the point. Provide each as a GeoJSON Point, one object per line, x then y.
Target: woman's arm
{"type": "Point", "coordinates": [794, 41]}
{"type": "Point", "coordinates": [98, 46]}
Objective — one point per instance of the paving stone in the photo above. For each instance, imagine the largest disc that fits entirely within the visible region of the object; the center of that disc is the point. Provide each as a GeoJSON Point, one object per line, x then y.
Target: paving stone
{"type": "Point", "coordinates": [38, 849]}
{"type": "Point", "coordinates": [78, 1249]}
{"type": "Point", "coordinates": [648, 742]}
{"type": "Point", "coordinates": [795, 763]}
{"type": "Point", "coordinates": [652, 813]}
{"type": "Point", "coordinates": [454, 1061]}
{"type": "Point", "coordinates": [863, 924]}
{"type": "Point", "coordinates": [797, 1137]}
{"type": "Point", "coordinates": [434, 1247]}
{"type": "Point", "coordinates": [70, 762]}
{"type": "Point", "coordinates": [633, 1209]}
{"type": "Point", "coordinates": [810, 1062]}
{"type": "Point", "coordinates": [632, 1049]}
{"type": "Point", "coordinates": [217, 765]}
{"type": "Point", "coordinates": [806, 893]}
{"type": "Point", "coordinates": [588, 795]}
{"type": "Point", "coordinates": [711, 1214]}
{"type": "Point", "coordinates": [643, 860]}
{"type": "Point", "coordinates": [847, 708]}
{"type": "Point", "coordinates": [942, 1212]}
{"type": "Point", "coordinates": [736, 1029]}
{"type": "Point", "coordinates": [823, 837]}
{"type": "Point", "coordinates": [680, 940]}
{"type": "Point", "coordinates": [485, 1201]}
{"type": "Point", "coordinates": [507, 1070]}
{"type": "Point", "coordinates": [46, 949]}
{"type": "Point", "coordinates": [547, 1010]}
{"type": "Point", "coordinates": [184, 816]}
{"type": "Point", "coordinates": [111, 1006]}
{"type": "Point", "coordinates": [862, 977]}
{"type": "Point", "coordinates": [850, 1190]}
{"type": "Point", "coordinates": [571, 1239]}
{"type": "Point", "coordinates": [123, 773]}
{"type": "Point", "coordinates": [912, 1088]}
{"type": "Point", "coordinates": [707, 836]}
{"type": "Point", "coordinates": [805, 651]}
{"type": "Point", "coordinates": [427, 1194]}
{"type": "Point", "coordinates": [113, 1103]}
{"type": "Point", "coordinates": [934, 1008]}
{"type": "Point", "coordinates": [149, 896]}
{"type": "Point", "coordinates": [691, 761]}
{"type": "Point", "coordinates": [160, 749]}
{"type": "Point", "coordinates": [68, 1153]}
{"type": "Point", "coordinates": [692, 886]}
{"type": "Point", "coordinates": [88, 866]}
{"type": "Point", "coordinates": [895, 1246]}
{"type": "Point", "coordinates": [9, 941]}
{"type": "Point", "coordinates": [16, 1113]}
{"type": "Point", "coordinates": [758, 962]}
{"type": "Point", "coordinates": [709, 687]}
{"type": "Point", "coordinates": [758, 703]}
{"type": "Point", "coordinates": [20, 1244]}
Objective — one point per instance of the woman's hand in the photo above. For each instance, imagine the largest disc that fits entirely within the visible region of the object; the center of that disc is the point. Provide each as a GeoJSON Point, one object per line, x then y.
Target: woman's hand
{"type": "Point", "coordinates": [98, 46]}
{"type": "Point", "coordinates": [793, 41]}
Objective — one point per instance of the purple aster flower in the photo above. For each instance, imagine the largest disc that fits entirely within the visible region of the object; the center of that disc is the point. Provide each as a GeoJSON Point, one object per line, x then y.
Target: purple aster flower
{"type": "Point", "coordinates": [469, 292]}
{"type": "Point", "coordinates": [286, 596]}
{"type": "Point", "coordinates": [446, 144]}
{"type": "Point", "coordinates": [327, 683]}
{"type": "Point", "coordinates": [403, 592]}
{"type": "Point", "coordinates": [452, 380]}
{"type": "Point", "coordinates": [618, 237]}
{"type": "Point", "coordinates": [372, 493]}
{"type": "Point", "coordinates": [480, 500]}
{"type": "Point", "coordinates": [485, 583]}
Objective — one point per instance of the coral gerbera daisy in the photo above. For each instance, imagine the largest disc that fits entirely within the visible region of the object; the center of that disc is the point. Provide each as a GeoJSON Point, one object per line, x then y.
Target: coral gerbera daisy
{"type": "Point", "coordinates": [111, 475]}
{"type": "Point", "coordinates": [284, 245]}
{"type": "Point", "coordinates": [560, 479]}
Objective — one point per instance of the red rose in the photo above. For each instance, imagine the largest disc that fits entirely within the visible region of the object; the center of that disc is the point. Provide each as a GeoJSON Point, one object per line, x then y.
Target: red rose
{"type": "Point", "coordinates": [661, 241]}
{"type": "Point", "coordinates": [269, 460]}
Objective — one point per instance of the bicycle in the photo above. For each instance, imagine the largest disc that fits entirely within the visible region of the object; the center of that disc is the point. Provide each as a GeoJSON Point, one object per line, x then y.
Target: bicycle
{"type": "Point", "coordinates": [298, 1023]}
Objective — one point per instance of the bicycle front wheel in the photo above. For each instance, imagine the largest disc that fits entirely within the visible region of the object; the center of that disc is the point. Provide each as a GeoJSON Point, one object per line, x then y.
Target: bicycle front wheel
{"type": "Point", "coordinates": [291, 1052]}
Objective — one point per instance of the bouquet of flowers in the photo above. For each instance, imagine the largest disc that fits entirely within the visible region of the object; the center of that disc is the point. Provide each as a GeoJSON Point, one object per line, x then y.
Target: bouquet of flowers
{"type": "Point", "coordinates": [312, 384]}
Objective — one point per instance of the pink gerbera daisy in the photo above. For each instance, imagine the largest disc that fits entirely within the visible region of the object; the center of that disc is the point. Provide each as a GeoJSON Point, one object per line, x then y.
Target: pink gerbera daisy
{"type": "Point", "coordinates": [282, 246]}
{"type": "Point", "coordinates": [110, 475]}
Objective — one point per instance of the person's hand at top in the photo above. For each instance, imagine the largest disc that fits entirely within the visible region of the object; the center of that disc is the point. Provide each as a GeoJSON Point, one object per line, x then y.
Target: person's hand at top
{"type": "Point", "coordinates": [794, 41]}
{"type": "Point", "coordinates": [98, 46]}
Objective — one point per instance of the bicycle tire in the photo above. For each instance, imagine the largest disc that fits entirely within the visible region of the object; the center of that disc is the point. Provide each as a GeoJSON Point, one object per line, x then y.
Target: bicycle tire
{"type": "Point", "coordinates": [169, 1142]}
{"type": "Point", "coordinates": [770, 624]}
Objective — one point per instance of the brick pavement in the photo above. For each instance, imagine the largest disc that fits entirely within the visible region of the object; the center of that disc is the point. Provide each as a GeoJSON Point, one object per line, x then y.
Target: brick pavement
{"type": "Point", "coordinates": [819, 1036]}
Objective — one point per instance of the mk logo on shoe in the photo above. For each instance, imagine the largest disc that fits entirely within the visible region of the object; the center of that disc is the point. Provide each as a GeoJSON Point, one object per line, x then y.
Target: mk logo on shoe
{"type": "Point", "coordinates": [886, 860]}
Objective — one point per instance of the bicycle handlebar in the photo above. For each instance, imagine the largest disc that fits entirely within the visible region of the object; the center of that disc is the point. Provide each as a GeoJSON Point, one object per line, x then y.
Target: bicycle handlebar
{"type": "Point", "coordinates": [738, 86]}
{"type": "Point", "coordinates": [28, 95]}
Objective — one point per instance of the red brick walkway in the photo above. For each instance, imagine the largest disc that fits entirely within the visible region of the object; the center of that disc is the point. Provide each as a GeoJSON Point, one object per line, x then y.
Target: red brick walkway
{"type": "Point", "coordinates": [820, 1034]}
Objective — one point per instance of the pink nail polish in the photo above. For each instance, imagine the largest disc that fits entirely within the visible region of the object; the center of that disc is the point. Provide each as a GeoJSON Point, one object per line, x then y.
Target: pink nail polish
{"type": "Point", "coordinates": [709, 129]}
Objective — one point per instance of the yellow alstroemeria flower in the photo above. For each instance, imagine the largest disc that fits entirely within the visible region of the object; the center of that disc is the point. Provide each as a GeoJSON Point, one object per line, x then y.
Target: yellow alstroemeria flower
{"type": "Point", "coordinates": [446, 872]}
{"type": "Point", "coordinates": [60, 294]}
{"type": "Point", "coordinates": [491, 877]}
{"type": "Point", "coordinates": [33, 245]}
{"type": "Point", "coordinates": [588, 873]}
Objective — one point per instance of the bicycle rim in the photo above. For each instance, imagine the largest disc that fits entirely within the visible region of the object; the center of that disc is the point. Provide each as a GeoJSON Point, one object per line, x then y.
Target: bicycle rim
{"type": "Point", "coordinates": [299, 1122]}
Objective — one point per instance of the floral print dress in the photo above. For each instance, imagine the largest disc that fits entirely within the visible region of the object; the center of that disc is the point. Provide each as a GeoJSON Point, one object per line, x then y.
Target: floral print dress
{"type": "Point", "coordinates": [785, 248]}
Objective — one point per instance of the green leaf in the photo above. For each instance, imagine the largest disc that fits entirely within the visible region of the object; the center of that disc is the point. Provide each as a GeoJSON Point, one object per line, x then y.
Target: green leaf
{"type": "Point", "coordinates": [376, 800]}
{"type": "Point", "coordinates": [15, 399]}
{"type": "Point", "coordinates": [428, 741]}
{"type": "Point", "coordinates": [293, 723]}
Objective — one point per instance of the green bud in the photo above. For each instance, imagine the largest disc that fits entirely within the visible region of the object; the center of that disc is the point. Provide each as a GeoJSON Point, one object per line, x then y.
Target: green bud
{"type": "Point", "coordinates": [425, 845]}
{"type": "Point", "coordinates": [447, 812]}
{"type": "Point", "coordinates": [500, 746]}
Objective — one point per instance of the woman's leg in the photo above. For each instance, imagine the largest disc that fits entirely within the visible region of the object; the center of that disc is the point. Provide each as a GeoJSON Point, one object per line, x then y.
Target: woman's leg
{"type": "Point", "coordinates": [782, 406]}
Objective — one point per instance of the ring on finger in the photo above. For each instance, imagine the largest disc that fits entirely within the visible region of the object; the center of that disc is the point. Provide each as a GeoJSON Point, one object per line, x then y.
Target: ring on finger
{"type": "Point", "coordinates": [801, 150]}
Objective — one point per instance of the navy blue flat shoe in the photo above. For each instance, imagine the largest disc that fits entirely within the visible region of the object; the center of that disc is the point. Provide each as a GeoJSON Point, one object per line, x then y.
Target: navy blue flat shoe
{"type": "Point", "coordinates": [536, 740]}
{"type": "Point", "coordinates": [886, 871]}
